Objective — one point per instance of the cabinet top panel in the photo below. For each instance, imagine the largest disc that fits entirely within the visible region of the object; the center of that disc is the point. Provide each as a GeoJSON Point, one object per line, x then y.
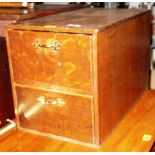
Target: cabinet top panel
{"type": "Point", "coordinates": [19, 14]}
{"type": "Point", "coordinates": [87, 20]}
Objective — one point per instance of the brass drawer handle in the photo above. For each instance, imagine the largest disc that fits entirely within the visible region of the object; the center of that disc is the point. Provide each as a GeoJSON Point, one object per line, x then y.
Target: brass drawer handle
{"type": "Point", "coordinates": [7, 129]}
{"type": "Point", "coordinates": [54, 101]}
{"type": "Point", "coordinates": [54, 45]}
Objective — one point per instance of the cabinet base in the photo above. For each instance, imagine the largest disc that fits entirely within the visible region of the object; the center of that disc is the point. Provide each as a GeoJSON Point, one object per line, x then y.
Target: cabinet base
{"type": "Point", "coordinates": [59, 138]}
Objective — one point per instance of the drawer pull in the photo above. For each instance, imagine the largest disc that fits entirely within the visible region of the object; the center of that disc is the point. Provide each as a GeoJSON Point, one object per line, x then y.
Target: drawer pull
{"type": "Point", "coordinates": [54, 45]}
{"type": "Point", "coordinates": [54, 101]}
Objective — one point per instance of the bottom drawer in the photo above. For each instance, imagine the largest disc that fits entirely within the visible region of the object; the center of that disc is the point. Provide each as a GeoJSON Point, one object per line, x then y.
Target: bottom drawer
{"type": "Point", "coordinates": [56, 113]}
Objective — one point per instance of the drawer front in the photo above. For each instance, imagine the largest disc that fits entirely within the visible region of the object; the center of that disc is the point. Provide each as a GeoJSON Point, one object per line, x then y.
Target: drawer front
{"type": "Point", "coordinates": [51, 59]}
{"type": "Point", "coordinates": [56, 113]}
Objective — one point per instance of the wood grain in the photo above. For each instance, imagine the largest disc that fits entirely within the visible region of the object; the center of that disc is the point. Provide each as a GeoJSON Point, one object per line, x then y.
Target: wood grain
{"type": "Point", "coordinates": [123, 54]}
{"type": "Point", "coordinates": [111, 62]}
{"type": "Point", "coordinates": [126, 137]}
{"type": "Point", "coordinates": [12, 15]}
{"type": "Point", "coordinates": [43, 66]}
{"type": "Point", "coordinates": [20, 14]}
{"type": "Point", "coordinates": [71, 117]}
{"type": "Point", "coordinates": [87, 20]}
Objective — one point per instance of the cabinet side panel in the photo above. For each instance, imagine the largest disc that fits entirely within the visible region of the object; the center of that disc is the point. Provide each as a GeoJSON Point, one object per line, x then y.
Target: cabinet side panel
{"type": "Point", "coordinates": [123, 69]}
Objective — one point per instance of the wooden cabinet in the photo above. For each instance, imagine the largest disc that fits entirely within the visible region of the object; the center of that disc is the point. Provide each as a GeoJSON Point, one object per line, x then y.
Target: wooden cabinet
{"type": "Point", "coordinates": [78, 73]}
{"type": "Point", "coordinates": [6, 100]}
{"type": "Point", "coordinates": [14, 15]}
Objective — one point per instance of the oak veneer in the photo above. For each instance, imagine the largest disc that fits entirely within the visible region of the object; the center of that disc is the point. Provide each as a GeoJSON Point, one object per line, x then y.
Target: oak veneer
{"type": "Point", "coordinates": [53, 68]}
{"type": "Point", "coordinates": [72, 119]}
{"type": "Point", "coordinates": [14, 15]}
{"type": "Point", "coordinates": [128, 136]}
{"type": "Point", "coordinates": [106, 50]}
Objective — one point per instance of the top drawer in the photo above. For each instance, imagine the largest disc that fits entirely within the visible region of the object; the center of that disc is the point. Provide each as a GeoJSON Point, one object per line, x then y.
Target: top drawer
{"type": "Point", "coordinates": [51, 59]}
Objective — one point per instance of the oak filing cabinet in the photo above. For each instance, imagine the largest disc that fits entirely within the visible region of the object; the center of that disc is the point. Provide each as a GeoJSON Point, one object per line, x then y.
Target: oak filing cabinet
{"type": "Point", "coordinates": [14, 15]}
{"type": "Point", "coordinates": [76, 74]}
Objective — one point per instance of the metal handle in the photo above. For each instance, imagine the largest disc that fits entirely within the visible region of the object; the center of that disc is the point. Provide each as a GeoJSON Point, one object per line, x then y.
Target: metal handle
{"type": "Point", "coordinates": [54, 101]}
{"type": "Point", "coordinates": [7, 129]}
{"type": "Point", "coordinates": [54, 45]}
